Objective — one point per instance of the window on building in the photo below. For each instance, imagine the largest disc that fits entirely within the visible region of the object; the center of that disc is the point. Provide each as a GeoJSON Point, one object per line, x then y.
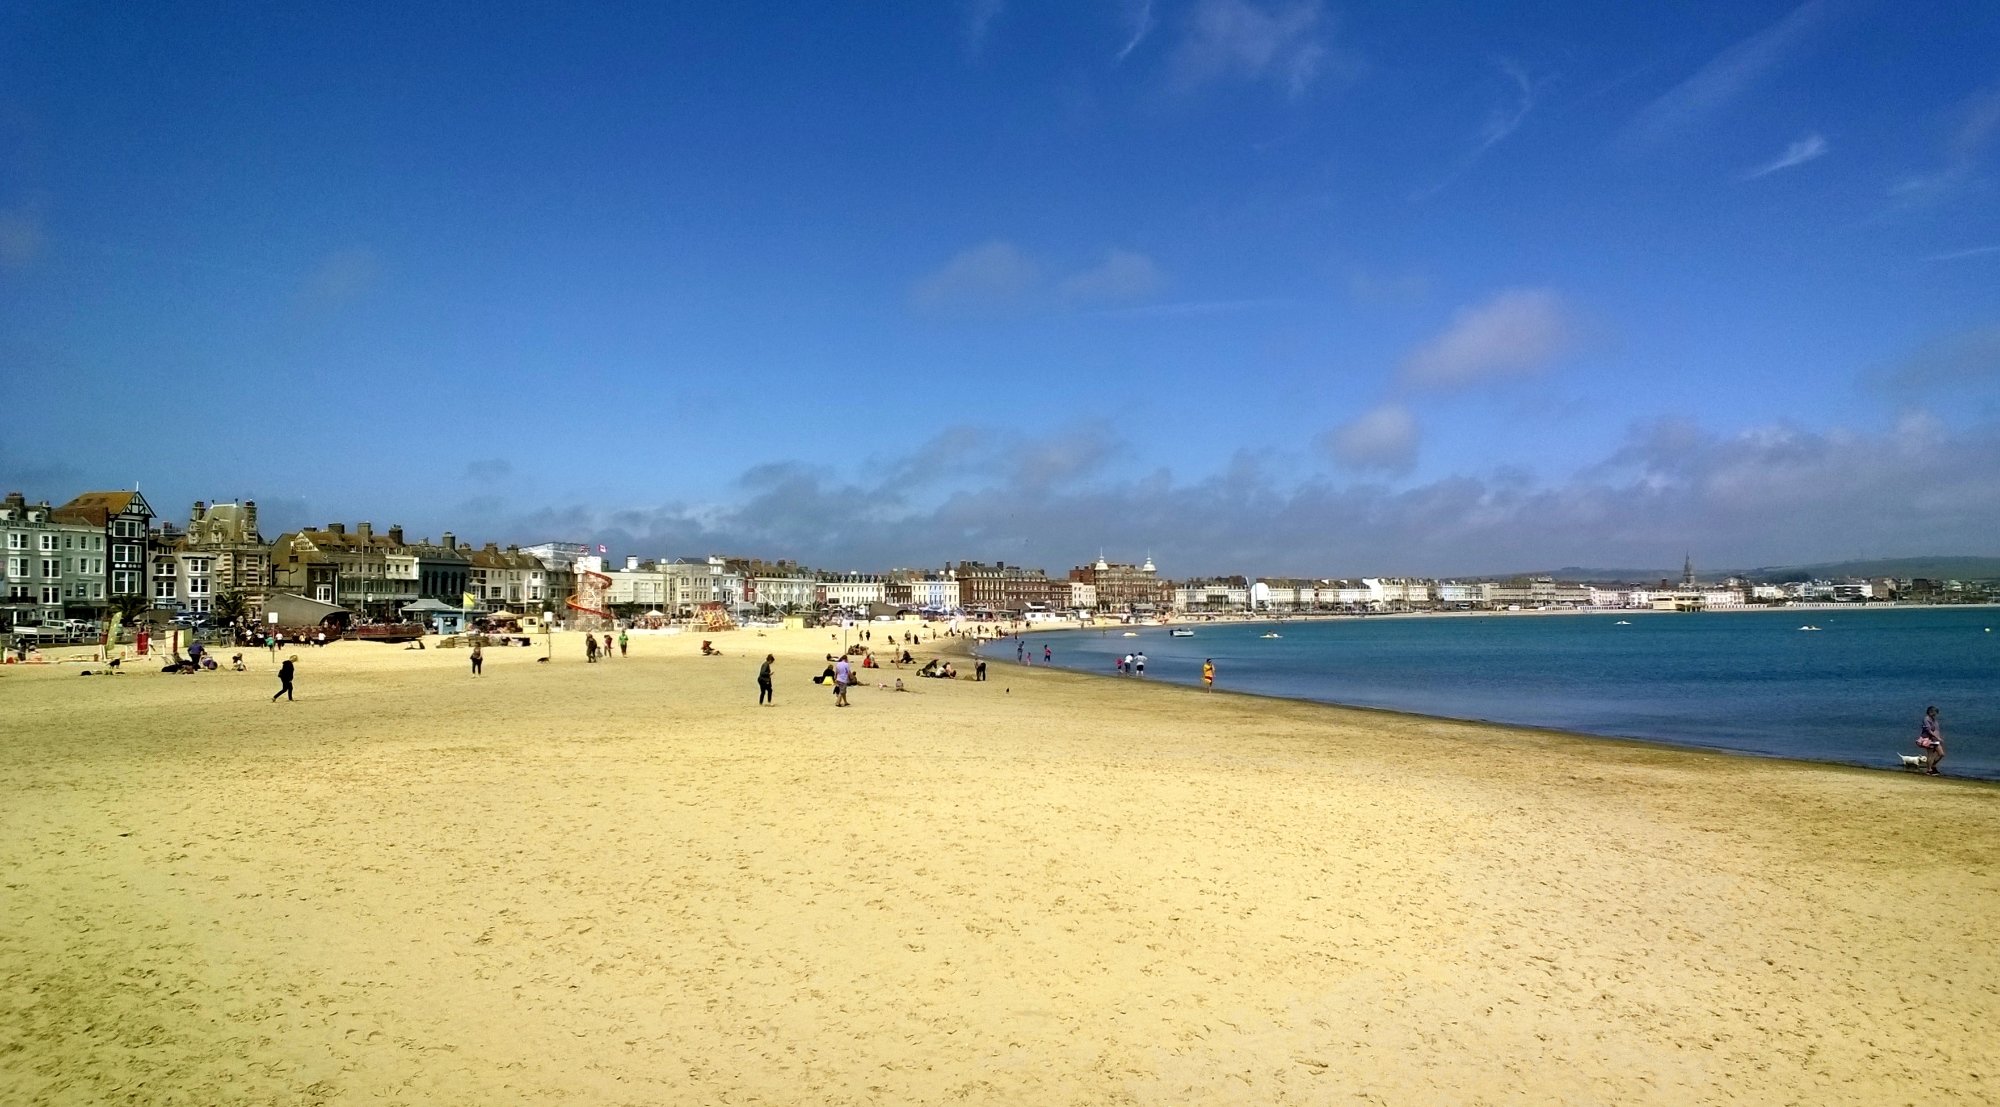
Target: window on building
{"type": "Point", "coordinates": [124, 582]}
{"type": "Point", "coordinates": [17, 541]}
{"type": "Point", "coordinates": [51, 593]}
{"type": "Point", "coordinates": [51, 568]}
{"type": "Point", "coordinates": [96, 591]}
{"type": "Point", "coordinates": [48, 542]}
{"type": "Point", "coordinates": [163, 588]}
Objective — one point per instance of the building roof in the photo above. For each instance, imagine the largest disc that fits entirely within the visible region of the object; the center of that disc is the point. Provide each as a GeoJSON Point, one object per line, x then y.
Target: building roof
{"type": "Point", "coordinates": [98, 508]}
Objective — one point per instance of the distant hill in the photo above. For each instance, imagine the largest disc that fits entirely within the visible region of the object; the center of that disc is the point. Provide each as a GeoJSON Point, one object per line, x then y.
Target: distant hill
{"type": "Point", "coordinates": [1935, 567]}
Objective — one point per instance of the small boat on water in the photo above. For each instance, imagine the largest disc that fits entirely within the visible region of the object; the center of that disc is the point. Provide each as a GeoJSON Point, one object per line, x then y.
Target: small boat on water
{"type": "Point", "coordinates": [1181, 632]}
{"type": "Point", "coordinates": [1808, 626]}
{"type": "Point", "coordinates": [1270, 636]}
{"type": "Point", "coordinates": [1130, 634]}
{"type": "Point", "coordinates": [1622, 623]}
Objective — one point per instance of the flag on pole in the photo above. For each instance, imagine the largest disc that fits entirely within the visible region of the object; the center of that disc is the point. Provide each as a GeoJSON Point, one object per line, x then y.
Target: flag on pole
{"type": "Point", "coordinates": [468, 601]}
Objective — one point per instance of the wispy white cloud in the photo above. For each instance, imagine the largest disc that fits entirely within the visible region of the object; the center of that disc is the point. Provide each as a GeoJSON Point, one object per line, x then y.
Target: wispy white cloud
{"type": "Point", "coordinates": [979, 17]}
{"type": "Point", "coordinates": [1960, 255]}
{"type": "Point", "coordinates": [994, 275]}
{"type": "Point", "coordinates": [1140, 16]}
{"type": "Point", "coordinates": [1798, 153]}
{"type": "Point", "coordinates": [1978, 124]}
{"type": "Point", "coordinates": [1383, 438]}
{"type": "Point", "coordinates": [1236, 39]}
{"type": "Point", "coordinates": [999, 276]}
{"type": "Point", "coordinates": [1506, 119]}
{"type": "Point", "coordinates": [1123, 276]}
{"type": "Point", "coordinates": [1519, 332]}
{"type": "Point", "coordinates": [339, 278]}
{"type": "Point", "coordinates": [1501, 121]}
{"type": "Point", "coordinates": [1949, 362]}
{"type": "Point", "coordinates": [1724, 78]}
{"type": "Point", "coordinates": [1189, 309]}
{"type": "Point", "coordinates": [22, 235]}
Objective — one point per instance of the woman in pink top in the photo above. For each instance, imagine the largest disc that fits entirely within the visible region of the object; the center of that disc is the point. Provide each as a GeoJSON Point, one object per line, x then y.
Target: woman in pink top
{"type": "Point", "coordinates": [1931, 737]}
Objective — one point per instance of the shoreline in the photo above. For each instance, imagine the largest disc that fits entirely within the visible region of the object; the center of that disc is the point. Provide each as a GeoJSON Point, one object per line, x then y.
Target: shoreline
{"type": "Point", "coordinates": [1660, 745]}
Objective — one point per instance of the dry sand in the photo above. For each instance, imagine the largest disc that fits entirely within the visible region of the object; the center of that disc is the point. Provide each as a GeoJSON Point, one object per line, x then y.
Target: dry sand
{"type": "Point", "coordinates": [626, 884]}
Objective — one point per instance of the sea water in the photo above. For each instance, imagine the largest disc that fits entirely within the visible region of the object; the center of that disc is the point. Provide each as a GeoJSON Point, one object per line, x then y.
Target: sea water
{"type": "Point", "coordinates": [1753, 682]}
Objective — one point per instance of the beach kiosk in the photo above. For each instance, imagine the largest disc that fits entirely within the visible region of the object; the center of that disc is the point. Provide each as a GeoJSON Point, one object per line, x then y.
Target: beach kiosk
{"type": "Point", "coordinates": [440, 617]}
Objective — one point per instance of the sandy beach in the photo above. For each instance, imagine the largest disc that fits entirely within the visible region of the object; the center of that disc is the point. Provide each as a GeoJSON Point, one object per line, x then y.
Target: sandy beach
{"type": "Point", "coordinates": [625, 883]}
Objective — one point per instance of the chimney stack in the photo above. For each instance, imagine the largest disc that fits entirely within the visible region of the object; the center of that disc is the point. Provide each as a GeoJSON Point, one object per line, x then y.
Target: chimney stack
{"type": "Point", "coordinates": [336, 528]}
{"type": "Point", "coordinates": [365, 531]}
{"type": "Point", "coordinates": [631, 562]}
{"type": "Point", "coordinates": [396, 533]}
{"type": "Point", "coordinates": [199, 509]}
{"type": "Point", "coordinates": [450, 542]}
{"type": "Point", "coordinates": [250, 517]}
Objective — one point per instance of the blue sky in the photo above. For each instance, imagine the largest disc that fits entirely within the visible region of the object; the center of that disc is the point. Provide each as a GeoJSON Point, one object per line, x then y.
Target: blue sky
{"type": "Point", "coordinates": [1251, 286]}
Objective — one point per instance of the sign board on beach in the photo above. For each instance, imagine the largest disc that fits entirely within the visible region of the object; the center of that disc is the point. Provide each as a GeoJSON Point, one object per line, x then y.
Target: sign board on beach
{"type": "Point", "coordinates": [271, 617]}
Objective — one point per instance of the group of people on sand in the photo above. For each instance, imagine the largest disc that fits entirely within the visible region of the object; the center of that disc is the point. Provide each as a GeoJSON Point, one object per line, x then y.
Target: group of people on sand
{"type": "Point", "coordinates": [591, 649]}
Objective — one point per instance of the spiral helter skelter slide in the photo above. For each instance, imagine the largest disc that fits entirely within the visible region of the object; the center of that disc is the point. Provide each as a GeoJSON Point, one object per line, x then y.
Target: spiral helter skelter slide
{"type": "Point", "coordinates": [587, 603]}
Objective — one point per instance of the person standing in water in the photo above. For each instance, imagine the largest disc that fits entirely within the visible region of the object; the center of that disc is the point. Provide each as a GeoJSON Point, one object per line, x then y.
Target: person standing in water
{"type": "Point", "coordinates": [1930, 735]}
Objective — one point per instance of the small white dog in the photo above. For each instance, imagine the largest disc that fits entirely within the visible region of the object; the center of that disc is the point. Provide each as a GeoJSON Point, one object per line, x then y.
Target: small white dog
{"type": "Point", "coordinates": [1914, 760]}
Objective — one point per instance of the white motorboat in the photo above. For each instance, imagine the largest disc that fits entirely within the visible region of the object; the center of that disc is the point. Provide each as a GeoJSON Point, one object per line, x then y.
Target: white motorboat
{"type": "Point", "coordinates": [1622, 623]}
{"type": "Point", "coordinates": [1181, 632]}
{"type": "Point", "coordinates": [1270, 636]}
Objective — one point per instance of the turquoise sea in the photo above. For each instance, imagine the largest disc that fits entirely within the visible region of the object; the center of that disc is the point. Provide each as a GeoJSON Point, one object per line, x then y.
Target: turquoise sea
{"type": "Point", "coordinates": [1752, 682]}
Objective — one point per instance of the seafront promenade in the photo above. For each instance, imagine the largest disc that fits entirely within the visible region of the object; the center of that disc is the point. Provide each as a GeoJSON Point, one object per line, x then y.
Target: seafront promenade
{"type": "Point", "coordinates": [627, 883]}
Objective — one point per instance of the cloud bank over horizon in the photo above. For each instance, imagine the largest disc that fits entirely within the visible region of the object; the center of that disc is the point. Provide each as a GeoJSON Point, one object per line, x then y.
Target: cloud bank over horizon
{"type": "Point", "coordinates": [1770, 495]}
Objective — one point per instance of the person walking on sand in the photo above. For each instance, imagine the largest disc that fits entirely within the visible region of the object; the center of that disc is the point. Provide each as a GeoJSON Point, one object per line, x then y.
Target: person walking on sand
{"type": "Point", "coordinates": [1930, 735]}
{"type": "Point", "coordinates": [590, 648]}
{"type": "Point", "coordinates": [842, 674]}
{"type": "Point", "coordinates": [478, 658]}
{"type": "Point", "coordinates": [1139, 663]}
{"type": "Point", "coordinates": [607, 647]}
{"type": "Point", "coordinates": [285, 672]}
{"type": "Point", "coordinates": [1208, 674]}
{"type": "Point", "coordinates": [621, 643]}
{"type": "Point", "coordinates": [764, 681]}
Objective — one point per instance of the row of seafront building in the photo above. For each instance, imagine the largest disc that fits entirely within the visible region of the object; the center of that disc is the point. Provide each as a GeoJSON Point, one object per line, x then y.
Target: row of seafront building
{"type": "Point", "coordinates": [109, 551]}
{"type": "Point", "coordinates": [105, 551]}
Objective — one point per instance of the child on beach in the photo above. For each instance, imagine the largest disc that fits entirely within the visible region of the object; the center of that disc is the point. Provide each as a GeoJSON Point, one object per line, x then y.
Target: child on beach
{"type": "Point", "coordinates": [1208, 674]}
